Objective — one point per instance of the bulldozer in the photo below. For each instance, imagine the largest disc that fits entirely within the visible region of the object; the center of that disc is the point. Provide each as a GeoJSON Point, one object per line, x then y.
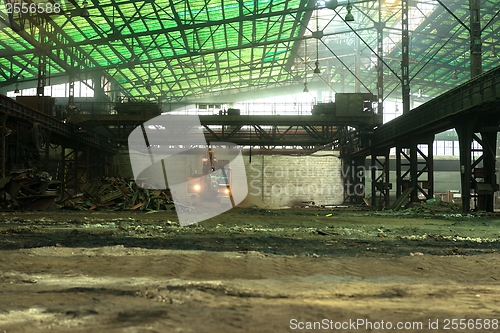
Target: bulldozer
{"type": "Point", "coordinates": [214, 183]}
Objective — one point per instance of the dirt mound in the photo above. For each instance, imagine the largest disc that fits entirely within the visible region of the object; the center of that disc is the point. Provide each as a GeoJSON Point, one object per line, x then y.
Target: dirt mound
{"type": "Point", "coordinates": [252, 201]}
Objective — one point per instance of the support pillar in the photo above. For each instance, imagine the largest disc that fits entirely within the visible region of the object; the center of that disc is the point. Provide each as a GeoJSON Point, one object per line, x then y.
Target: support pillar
{"type": "Point", "coordinates": [465, 131]}
{"type": "Point", "coordinates": [4, 144]}
{"type": "Point", "coordinates": [380, 62]}
{"type": "Point", "coordinates": [402, 169]}
{"type": "Point", "coordinates": [486, 195]}
{"type": "Point", "coordinates": [75, 171]}
{"type": "Point", "coordinates": [405, 61]}
{"type": "Point", "coordinates": [412, 167]}
{"type": "Point", "coordinates": [380, 178]}
{"type": "Point", "coordinates": [413, 172]}
{"type": "Point", "coordinates": [87, 164]}
{"type": "Point", "coordinates": [475, 39]}
{"type": "Point", "coordinates": [47, 150]}
{"type": "Point", "coordinates": [354, 179]}
{"type": "Point", "coordinates": [62, 171]}
{"type": "Point", "coordinates": [424, 167]}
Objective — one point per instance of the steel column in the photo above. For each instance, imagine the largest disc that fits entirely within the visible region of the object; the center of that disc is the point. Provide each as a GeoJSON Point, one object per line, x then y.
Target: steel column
{"type": "Point", "coordinates": [380, 61]}
{"type": "Point", "coordinates": [411, 167]}
{"type": "Point", "coordinates": [425, 165]}
{"type": "Point", "coordinates": [354, 179]}
{"type": "Point", "coordinates": [380, 178]}
{"type": "Point", "coordinates": [4, 145]}
{"type": "Point", "coordinates": [465, 131]}
{"type": "Point", "coordinates": [71, 91]}
{"type": "Point", "coordinates": [489, 143]}
{"type": "Point", "coordinates": [75, 162]}
{"type": "Point", "coordinates": [475, 38]}
{"type": "Point", "coordinates": [402, 169]}
{"type": "Point", "coordinates": [357, 65]}
{"type": "Point", "coordinates": [47, 149]}
{"type": "Point", "coordinates": [62, 171]}
{"type": "Point", "coordinates": [405, 61]}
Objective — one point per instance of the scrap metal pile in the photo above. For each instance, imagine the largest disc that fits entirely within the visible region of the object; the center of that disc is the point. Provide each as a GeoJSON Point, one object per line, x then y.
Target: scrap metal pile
{"type": "Point", "coordinates": [113, 193]}
{"type": "Point", "coordinates": [28, 189]}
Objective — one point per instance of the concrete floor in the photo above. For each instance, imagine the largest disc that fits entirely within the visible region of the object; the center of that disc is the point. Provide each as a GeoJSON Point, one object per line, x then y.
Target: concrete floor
{"type": "Point", "coordinates": [249, 270]}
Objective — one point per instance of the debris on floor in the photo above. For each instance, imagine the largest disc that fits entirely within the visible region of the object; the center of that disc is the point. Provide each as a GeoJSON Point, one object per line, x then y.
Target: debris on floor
{"type": "Point", "coordinates": [28, 189]}
{"type": "Point", "coordinates": [114, 193]}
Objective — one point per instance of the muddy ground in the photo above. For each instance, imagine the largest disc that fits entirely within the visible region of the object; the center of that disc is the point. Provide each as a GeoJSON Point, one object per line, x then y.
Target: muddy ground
{"type": "Point", "coordinates": [249, 270]}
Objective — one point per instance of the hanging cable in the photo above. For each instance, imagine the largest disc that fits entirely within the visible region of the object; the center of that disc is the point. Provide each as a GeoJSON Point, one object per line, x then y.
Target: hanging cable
{"type": "Point", "coordinates": [306, 89]}
{"type": "Point", "coordinates": [316, 68]}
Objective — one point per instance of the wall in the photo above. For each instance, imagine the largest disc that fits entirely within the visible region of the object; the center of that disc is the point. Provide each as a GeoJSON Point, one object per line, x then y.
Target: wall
{"type": "Point", "coordinates": [276, 180]}
{"type": "Point", "coordinates": [283, 180]}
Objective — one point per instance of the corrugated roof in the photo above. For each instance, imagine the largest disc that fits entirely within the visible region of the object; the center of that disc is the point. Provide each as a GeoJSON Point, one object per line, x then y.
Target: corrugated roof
{"type": "Point", "coordinates": [176, 50]}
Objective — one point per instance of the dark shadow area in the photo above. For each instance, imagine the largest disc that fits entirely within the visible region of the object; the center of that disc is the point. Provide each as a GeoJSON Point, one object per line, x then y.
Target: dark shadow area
{"type": "Point", "coordinates": [212, 240]}
{"type": "Point", "coordinates": [88, 290]}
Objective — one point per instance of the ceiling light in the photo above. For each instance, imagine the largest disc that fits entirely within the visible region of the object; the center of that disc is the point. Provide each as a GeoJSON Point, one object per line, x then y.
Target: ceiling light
{"type": "Point", "coordinates": [84, 12]}
{"type": "Point", "coordinates": [131, 64]}
{"type": "Point", "coordinates": [455, 75]}
{"type": "Point", "coordinates": [316, 69]}
{"type": "Point", "coordinates": [349, 17]}
{"type": "Point", "coordinates": [16, 91]}
{"type": "Point", "coordinates": [305, 88]}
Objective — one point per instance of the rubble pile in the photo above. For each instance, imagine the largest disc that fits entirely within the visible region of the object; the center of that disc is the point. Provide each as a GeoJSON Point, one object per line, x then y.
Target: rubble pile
{"type": "Point", "coordinates": [430, 207]}
{"type": "Point", "coordinates": [28, 189]}
{"type": "Point", "coordinates": [114, 193]}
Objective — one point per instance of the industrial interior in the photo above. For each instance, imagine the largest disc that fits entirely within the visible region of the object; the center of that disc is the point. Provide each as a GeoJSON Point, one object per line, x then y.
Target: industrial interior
{"type": "Point", "coordinates": [249, 166]}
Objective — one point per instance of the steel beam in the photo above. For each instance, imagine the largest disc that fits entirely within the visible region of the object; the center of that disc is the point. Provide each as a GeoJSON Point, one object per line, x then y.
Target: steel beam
{"type": "Point", "coordinates": [479, 96]}
{"type": "Point", "coordinates": [70, 132]}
